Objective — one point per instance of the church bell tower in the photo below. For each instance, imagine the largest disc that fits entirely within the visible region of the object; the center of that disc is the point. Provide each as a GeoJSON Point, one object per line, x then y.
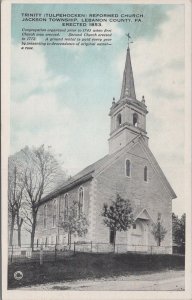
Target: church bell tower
{"type": "Point", "coordinates": [128, 115]}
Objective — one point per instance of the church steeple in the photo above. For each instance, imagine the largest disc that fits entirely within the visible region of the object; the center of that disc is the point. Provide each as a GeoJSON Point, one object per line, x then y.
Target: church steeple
{"type": "Point", "coordinates": [128, 115]}
{"type": "Point", "coordinates": [128, 87]}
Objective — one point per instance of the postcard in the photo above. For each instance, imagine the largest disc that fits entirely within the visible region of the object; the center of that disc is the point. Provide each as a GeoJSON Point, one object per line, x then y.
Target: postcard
{"type": "Point", "coordinates": [96, 150]}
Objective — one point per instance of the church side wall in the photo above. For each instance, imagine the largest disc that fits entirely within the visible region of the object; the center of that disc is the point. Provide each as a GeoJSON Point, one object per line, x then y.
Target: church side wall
{"type": "Point", "coordinates": [150, 195]}
{"type": "Point", "coordinates": [54, 234]}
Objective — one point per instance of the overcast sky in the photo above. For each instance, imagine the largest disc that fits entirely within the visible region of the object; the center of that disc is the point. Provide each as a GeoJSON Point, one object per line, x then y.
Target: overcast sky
{"type": "Point", "coordinates": [61, 96]}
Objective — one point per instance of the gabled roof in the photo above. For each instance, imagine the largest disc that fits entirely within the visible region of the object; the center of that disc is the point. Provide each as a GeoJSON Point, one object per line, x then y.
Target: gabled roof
{"type": "Point", "coordinates": [96, 168]}
{"type": "Point", "coordinates": [158, 169]}
{"type": "Point", "coordinates": [140, 139]}
{"type": "Point", "coordinates": [84, 175]}
{"type": "Point", "coordinates": [81, 177]}
{"type": "Point", "coordinates": [142, 213]}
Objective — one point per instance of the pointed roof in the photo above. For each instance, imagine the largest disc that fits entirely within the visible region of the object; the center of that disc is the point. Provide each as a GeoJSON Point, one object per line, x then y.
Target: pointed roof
{"type": "Point", "coordinates": [81, 177]}
{"type": "Point", "coordinates": [142, 213]}
{"type": "Point", "coordinates": [99, 166]}
{"type": "Point", "coordinates": [141, 141]}
{"type": "Point", "coordinates": [128, 87]}
{"type": "Point", "coordinates": [156, 166]}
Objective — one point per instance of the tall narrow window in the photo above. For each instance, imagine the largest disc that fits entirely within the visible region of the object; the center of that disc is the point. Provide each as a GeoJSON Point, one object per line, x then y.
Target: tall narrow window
{"type": "Point", "coordinates": [135, 119]}
{"type": "Point", "coordinates": [145, 173]}
{"type": "Point", "coordinates": [59, 207]}
{"type": "Point", "coordinates": [54, 212]}
{"type": "Point", "coordinates": [66, 206]}
{"type": "Point", "coordinates": [45, 216]}
{"type": "Point", "coordinates": [119, 121]}
{"type": "Point", "coordinates": [128, 168]}
{"type": "Point", "coordinates": [80, 203]}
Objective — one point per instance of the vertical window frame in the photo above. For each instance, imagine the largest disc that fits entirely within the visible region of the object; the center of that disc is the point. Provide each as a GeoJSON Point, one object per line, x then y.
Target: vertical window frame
{"type": "Point", "coordinates": [54, 215]}
{"type": "Point", "coordinates": [66, 208]}
{"type": "Point", "coordinates": [45, 216]}
{"type": "Point", "coordinates": [135, 119]}
{"type": "Point", "coordinates": [80, 197]}
{"type": "Point", "coordinates": [119, 120]}
{"type": "Point", "coordinates": [145, 174]}
{"type": "Point", "coordinates": [126, 174]}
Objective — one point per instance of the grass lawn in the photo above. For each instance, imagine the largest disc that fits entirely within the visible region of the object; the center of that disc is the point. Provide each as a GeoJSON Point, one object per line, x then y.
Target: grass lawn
{"type": "Point", "coordinates": [91, 265]}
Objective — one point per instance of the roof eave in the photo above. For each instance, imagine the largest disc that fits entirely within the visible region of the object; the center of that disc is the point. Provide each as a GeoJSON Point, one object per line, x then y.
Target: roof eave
{"type": "Point", "coordinates": [67, 187]}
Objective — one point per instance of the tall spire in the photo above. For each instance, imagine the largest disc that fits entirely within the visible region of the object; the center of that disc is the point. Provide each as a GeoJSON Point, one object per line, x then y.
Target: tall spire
{"type": "Point", "coordinates": [128, 87]}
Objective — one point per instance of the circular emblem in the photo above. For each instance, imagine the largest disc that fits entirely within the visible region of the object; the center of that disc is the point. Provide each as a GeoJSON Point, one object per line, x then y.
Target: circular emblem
{"type": "Point", "coordinates": [18, 275]}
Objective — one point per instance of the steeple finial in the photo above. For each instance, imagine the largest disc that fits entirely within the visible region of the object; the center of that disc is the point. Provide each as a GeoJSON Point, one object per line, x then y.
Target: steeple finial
{"type": "Point", "coordinates": [128, 87]}
{"type": "Point", "coordinates": [129, 38]}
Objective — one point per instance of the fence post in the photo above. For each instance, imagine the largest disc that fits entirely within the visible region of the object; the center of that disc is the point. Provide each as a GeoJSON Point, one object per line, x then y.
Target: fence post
{"type": "Point", "coordinates": [91, 246]}
{"type": "Point", "coordinates": [55, 252]}
{"type": "Point", "coordinates": [74, 247]}
{"type": "Point", "coordinates": [41, 255]}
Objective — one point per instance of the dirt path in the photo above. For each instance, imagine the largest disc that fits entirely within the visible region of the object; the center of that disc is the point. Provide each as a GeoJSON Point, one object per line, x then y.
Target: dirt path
{"type": "Point", "coordinates": [162, 281]}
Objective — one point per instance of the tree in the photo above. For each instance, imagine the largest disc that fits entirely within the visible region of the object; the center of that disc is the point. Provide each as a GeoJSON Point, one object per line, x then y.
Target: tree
{"type": "Point", "coordinates": [15, 195]}
{"type": "Point", "coordinates": [118, 216]}
{"type": "Point", "coordinates": [158, 231]}
{"type": "Point", "coordinates": [178, 229]}
{"type": "Point", "coordinates": [40, 174]}
{"type": "Point", "coordinates": [75, 222]}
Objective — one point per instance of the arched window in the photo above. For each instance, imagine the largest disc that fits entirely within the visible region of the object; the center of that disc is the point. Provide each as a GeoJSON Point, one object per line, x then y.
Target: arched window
{"type": "Point", "coordinates": [128, 167]}
{"type": "Point", "coordinates": [54, 212]}
{"type": "Point", "coordinates": [80, 202]}
{"type": "Point", "coordinates": [119, 121]}
{"type": "Point", "coordinates": [145, 173]}
{"type": "Point", "coordinates": [66, 206]}
{"type": "Point", "coordinates": [45, 216]}
{"type": "Point", "coordinates": [135, 119]}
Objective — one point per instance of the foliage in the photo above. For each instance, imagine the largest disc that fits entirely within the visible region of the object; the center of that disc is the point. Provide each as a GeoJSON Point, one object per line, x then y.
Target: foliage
{"type": "Point", "coordinates": [15, 195]}
{"type": "Point", "coordinates": [75, 223]}
{"type": "Point", "coordinates": [158, 231]}
{"type": "Point", "coordinates": [39, 172]}
{"type": "Point", "coordinates": [118, 216]}
{"type": "Point", "coordinates": [178, 229]}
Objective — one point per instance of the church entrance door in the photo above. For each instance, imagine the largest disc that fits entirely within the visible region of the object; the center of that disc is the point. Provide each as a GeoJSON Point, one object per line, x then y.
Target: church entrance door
{"type": "Point", "coordinates": [138, 236]}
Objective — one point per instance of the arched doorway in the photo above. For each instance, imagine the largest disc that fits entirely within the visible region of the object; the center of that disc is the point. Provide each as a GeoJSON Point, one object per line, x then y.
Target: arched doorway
{"type": "Point", "coordinates": [138, 234]}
